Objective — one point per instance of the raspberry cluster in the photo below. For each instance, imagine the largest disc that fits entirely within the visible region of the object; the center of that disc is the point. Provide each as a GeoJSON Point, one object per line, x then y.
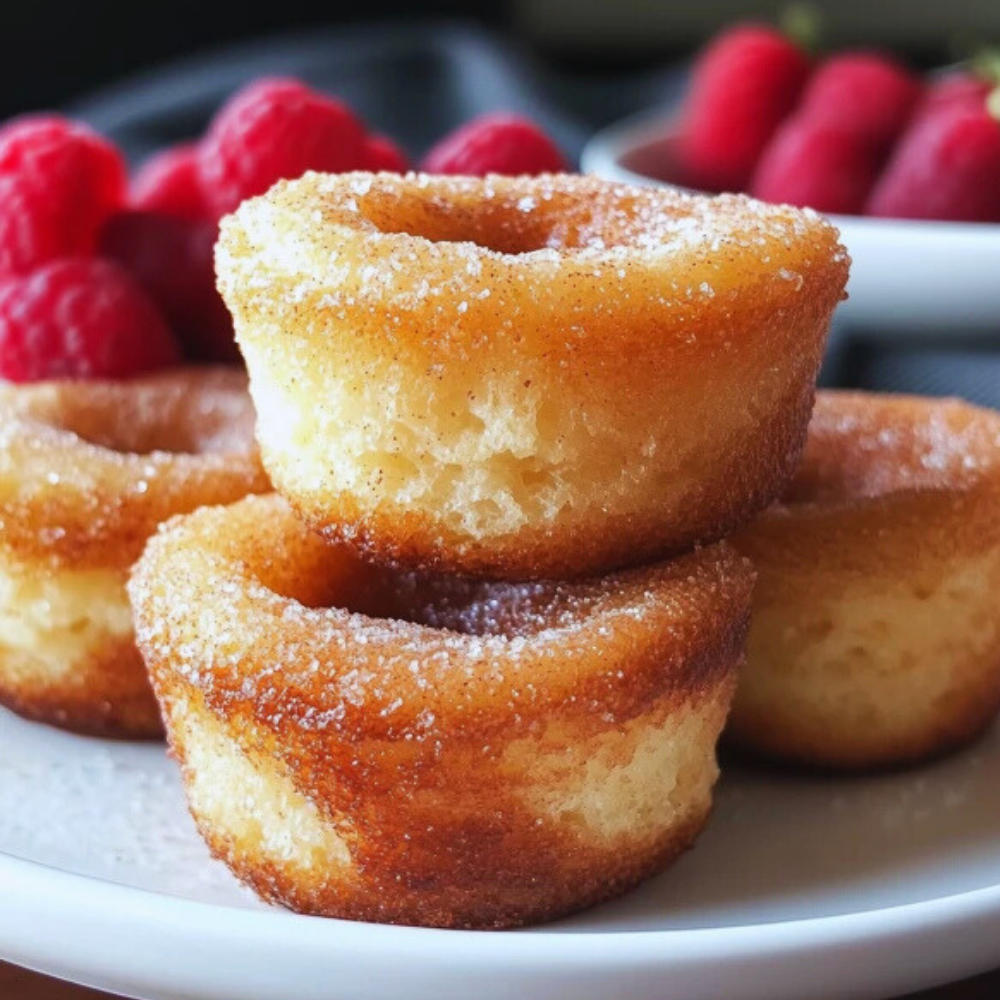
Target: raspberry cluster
{"type": "Point", "coordinates": [100, 277]}
{"type": "Point", "coordinates": [857, 134]}
{"type": "Point", "coordinates": [64, 311]}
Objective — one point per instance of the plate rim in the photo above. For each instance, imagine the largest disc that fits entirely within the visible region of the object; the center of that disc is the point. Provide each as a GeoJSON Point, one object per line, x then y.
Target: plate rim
{"type": "Point", "coordinates": [148, 942]}
{"type": "Point", "coordinates": [140, 943]}
{"type": "Point", "coordinates": [942, 911]}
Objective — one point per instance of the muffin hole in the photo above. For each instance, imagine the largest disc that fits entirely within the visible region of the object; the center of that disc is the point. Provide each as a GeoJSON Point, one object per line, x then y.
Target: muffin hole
{"type": "Point", "coordinates": [177, 425]}
{"type": "Point", "coordinates": [512, 225]}
{"type": "Point", "coordinates": [338, 578]}
{"type": "Point", "coordinates": [495, 228]}
{"type": "Point", "coordinates": [140, 441]}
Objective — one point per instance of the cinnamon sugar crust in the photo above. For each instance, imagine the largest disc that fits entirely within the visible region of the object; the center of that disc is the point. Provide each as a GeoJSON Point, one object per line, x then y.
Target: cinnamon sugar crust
{"type": "Point", "coordinates": [88, 469]}
{"type": "Point", "coordinates": [103, 692]}
{"type": "Point", "coordinates": [876, 633]}
{"type": "Point", "coordinates": [434, 750]}
{"type": "Point", "coordinates": [527, 377]}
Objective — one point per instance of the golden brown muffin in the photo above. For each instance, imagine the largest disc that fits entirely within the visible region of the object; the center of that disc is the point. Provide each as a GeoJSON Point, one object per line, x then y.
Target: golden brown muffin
{"type": "Point", "coordinates": [527, 377]}
{"type": "Point", "coordinates": [88, 469]}
{"type": "Point", "coordinates": [379, 745]}
{"type": "Point", "coordinates": [876, 625]}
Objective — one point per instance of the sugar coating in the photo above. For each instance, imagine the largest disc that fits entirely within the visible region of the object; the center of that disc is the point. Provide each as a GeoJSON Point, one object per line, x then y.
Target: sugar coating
{"type": "Point", "coordinates": [526, 377]}
{"type": "Point", "coordinates": [420, 229]}
{"type": "Point", "coordinates": [300, 627]}
{"type": "Point", "coordinates": [876, 636]}
{"type": "Point", "coordinates": [380, 744]}
{"type": "Point", "coordinates": [865, 447]}
{"type": "Point", "coordinates": [88, 469]}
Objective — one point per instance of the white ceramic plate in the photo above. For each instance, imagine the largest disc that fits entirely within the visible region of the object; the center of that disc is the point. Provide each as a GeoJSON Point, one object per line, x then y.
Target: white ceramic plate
{"type": "Point", "coordinates": [908, 279]}
{"type": "Point", "coordinates": [801, 887]}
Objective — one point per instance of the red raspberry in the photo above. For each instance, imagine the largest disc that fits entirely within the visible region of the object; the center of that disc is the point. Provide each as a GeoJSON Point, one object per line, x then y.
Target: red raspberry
{"type": "Point", "coordinates": [172, 258]}
{"type": "Point", "coordinates": [864, 93]}
{"type": "Point", "coordinates": [495, 144]}
{"type": "Point", "coordinates": [381, 153]}
{"type": "Point", "coordinates": [168, 182]}
{"type": "Point", "coordinates": [31, 228]}
{"type": "Point", "coordinates": [743, 85]}
{"type": "Point", "coordinates": [945, 166]}
{"type": "Point", "coordinates": [79, 318]}
{"type": "Point", "coordinates": [812, 165]}
{"type": "Point", "coordinates": [274, 129]}
{"type": "Point", "coordinates": [58, 183]}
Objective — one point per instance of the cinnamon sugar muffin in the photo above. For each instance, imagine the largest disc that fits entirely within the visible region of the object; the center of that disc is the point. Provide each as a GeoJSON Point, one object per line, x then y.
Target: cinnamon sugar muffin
{"type": "Point", "coordinates": [381, 745]}
{"type": "Point", "coordinates": [527, 377]}
{"type": "Point", "coordinates": [876, 626]}
{"type": "Point", "coordinates": [88, 469]}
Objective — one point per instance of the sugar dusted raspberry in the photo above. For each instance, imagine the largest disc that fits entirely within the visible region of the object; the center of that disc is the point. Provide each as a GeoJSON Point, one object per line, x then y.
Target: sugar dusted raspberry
{"type": "Point", "coordinates": [381, 153]}
{"type": "Point", "coordinates": [273, 129]}
{"type": "Point", "coordinates": [743, 85]}
{"type": "Point", "coordinates": [168, 182]}
{"type": "Point", "coordinates": [495, 144]}
{"type": "Point", "coordinates": [79, 318]}
{"type": "Point", "coordinates": [172, 258]}
{"type": "Point", "coordinates": [58, 182]}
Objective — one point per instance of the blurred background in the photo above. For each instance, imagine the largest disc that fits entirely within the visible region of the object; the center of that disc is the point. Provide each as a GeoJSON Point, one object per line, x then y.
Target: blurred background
{"type": "Point", "coordinates": [150, 75]}
{"type": "Point", "coordinates": [54, 50]}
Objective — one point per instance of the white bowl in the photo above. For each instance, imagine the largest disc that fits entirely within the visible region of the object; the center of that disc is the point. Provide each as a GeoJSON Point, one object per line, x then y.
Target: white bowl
{"type": "Point", "coordinates": [909, 279]}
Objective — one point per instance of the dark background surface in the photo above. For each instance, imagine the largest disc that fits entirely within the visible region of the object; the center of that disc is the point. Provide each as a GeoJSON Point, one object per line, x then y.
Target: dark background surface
{"type": "Point", "coordinates": [414, 80]}
{"type": "Point", "coordinates": [54, 50]}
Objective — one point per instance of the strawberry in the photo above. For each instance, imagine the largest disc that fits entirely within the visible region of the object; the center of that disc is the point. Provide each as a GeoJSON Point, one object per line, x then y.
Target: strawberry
{"type": "Point", "coordinates": [946, 166]}
{"type": "Point", "coordinates": [815, 165]}
{"type": "Point", "coordinates": [957, 87]}
{"type": "Point", "coordinates": [864, 93]}
{"type": "Point", "coordinates": [743, 85]}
